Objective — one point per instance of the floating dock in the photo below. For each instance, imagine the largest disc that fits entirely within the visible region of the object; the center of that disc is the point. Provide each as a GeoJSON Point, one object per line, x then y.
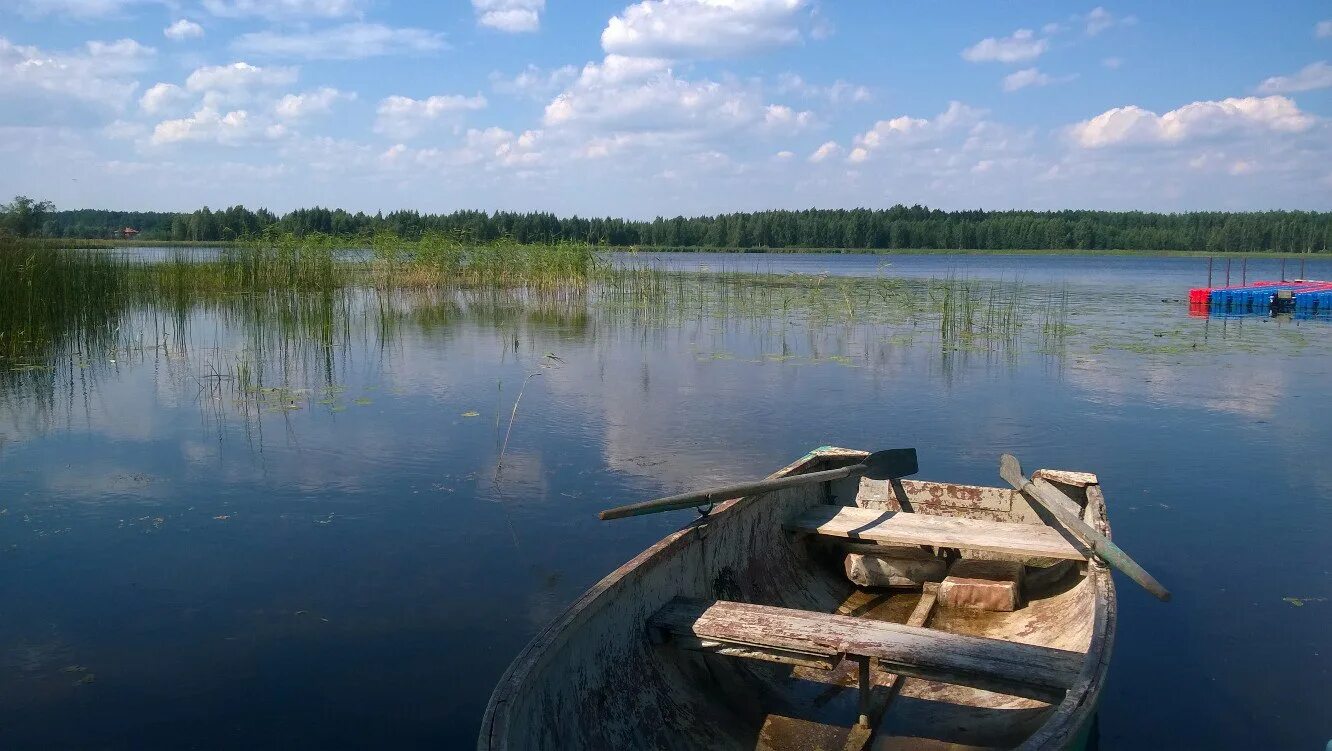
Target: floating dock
{"type": "Point", "coordinates": [1307, 296]}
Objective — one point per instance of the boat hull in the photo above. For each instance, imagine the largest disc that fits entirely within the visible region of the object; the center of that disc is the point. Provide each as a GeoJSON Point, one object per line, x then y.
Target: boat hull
{"type": "Point", "coordinates": [594, 679]}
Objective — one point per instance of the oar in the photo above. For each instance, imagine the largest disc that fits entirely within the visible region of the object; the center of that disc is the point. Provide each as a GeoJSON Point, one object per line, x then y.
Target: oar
{"type": "Point", "coordinates": [881, 465]}
{"type": "Point", "coordinates": [1054, 501]}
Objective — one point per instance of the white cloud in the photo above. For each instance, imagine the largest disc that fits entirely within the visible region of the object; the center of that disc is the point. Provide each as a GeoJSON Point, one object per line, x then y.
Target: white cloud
{"type": "Point", "coordinates": [828, 150]}
{"type": "Point", "coordinates": [183, 29]}
{"type": "Point", "coordinates": [237, 81]}
{"type": "Point", "coordinates": [492, 147]}
{"type": "Point", "coordinates": [209, 126]}
{"type": "Point", "coordinates": [1323, 29]}
{"type": "Point", "coordinates": [640, 106]}
{"type": "Point", "coordinates": [534, 82]}
{"type": "Point", "coordinates": [1100, 19]}
{"type": "Point", "coordinates": [404, 117]}
{"type": "Point", "coordinates": [1132, 124]}
{"type": "Point", "coordinates": [76, 9]}
{"type": "Point", "coordinates": [317, 102]}
{"type": "Point", "coordinates": [643, 94]}
{"type": "Point", "coordinates": [505, 148]}
{"type": "Point", "coordinates": [352, 41]}
{"type": "Point", "coordinates": [906, 131]}
{"type": "Point", "coordinates": [1026, 77]}
{"type": "Point", "coordinates": [704, 29]}
{"type": "Point", "coordinates": [783, 119]}
{"type": "Point", "coordinates": [1312, 76]}
{"type": "Point", "coordinates": [838, 92]}
{"type": "Point", "coordinates": [512, 16]}
{"type": "Point", "coordinates": [161, 97]}
{"type": "Point", "coordinates": [784, 156]}
{"type": "Point", "coordinates": [98, 77]}
{"type": "Point", "coordinates": [284, 10]}
{"type": "Point", "coordinates": [1032, 77]}
{"type": "Point", "coordinates": [842, 91]}
{"type": "Point", "coordinates": [898, 127]}
{"type": "Point", "coordinates": [618, 69]}
{"type": "Point", "coordinates": [122, 55]}
{"type": "Point", "coordinates": [1020, 46]}
{"type": "Point", "coordinates": [1112, 63]}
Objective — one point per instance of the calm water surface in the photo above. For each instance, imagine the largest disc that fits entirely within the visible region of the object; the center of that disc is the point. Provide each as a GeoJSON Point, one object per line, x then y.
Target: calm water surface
{"type": "Point", "coordinates": [338, 557]}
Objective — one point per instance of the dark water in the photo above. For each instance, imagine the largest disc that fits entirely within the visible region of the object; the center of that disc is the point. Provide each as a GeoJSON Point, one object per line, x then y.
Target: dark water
{"type": "Point", "coordinates": [337, 558]}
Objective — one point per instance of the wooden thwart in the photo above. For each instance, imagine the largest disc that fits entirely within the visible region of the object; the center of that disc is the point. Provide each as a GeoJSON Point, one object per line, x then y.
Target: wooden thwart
{"type": "Point", "coordinates": [1006, 667]}
{"type": "Point", "coordinates": [901, 528]}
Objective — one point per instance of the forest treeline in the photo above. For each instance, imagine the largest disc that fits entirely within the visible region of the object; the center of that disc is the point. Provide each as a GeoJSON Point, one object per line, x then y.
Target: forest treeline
{"type": "Point", "coordinates": [899, 227]}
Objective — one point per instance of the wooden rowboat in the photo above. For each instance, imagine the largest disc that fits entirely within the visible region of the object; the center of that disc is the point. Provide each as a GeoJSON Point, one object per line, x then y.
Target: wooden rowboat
{"type": "Point", "coordinates": [745, 630]}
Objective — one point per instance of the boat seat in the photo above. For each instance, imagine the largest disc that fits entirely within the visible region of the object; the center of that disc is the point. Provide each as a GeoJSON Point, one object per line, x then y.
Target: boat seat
{"type": "Point", "coordinates": [764, 632]}
{"type": "Point", "coordinates": [904, 528]}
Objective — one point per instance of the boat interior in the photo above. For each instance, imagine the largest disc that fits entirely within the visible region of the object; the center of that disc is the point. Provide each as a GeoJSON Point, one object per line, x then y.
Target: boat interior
{"type": "Point", "coordinates": [964, 619]}
{"type": "Point", "coordinates": [846, 614]}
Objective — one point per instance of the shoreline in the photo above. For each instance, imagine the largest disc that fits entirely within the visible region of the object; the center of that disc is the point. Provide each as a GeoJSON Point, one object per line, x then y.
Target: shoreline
{"type": "Point", "coordinates": [86, 244]}
{"type": "Point", "coordinates": [1071, 253]}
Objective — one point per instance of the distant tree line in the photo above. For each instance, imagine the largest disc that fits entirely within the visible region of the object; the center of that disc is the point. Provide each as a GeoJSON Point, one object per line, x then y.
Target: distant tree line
{"type": "Point", "coordinates": [25, 217]}
{"type": "Point", "coordinates": [899, 227]}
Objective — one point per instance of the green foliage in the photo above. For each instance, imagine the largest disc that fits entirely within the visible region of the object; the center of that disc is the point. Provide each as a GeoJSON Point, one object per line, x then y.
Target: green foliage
{"type": "Point", "coordinates": [25, 217]}
{"type": "Point", "coordinates": [896, 228]}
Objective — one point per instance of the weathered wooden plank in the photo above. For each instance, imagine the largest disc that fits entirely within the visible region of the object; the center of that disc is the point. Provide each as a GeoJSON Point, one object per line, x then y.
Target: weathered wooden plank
{"type": "Point", "coordinates": [921, 613]}
{"type": "Point", "coordinates": [1005, 667]}
{"type": "Point", "coordinates": [781, 656]}
{"type": "Point", "coordinates": [1066, 476]}
{"type": "Point", "coordinates": [921, 495]}
{"type": "Point", "coordinates": [899, 528]}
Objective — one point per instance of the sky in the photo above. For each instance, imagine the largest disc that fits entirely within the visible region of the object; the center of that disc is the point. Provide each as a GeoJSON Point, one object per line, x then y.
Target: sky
{"type": "Point", "coordinates": [666, 107]}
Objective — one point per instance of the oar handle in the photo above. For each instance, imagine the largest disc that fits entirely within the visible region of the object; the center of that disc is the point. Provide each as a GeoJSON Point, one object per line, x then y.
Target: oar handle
{"type": "Point", "coordinates": [716, 495]}
{"type": "Point", "coordinates": [1053, 500]}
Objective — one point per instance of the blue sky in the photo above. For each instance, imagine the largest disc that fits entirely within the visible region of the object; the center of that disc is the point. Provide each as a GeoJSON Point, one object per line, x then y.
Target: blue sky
{"type": "Point", "coordinates": [666, 106]}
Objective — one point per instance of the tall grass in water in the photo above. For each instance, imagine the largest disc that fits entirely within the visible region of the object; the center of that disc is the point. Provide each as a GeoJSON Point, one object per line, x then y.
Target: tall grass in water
{"type": "Point", "coordinates": [979, 314]}
{"type": "Point", "coordinates": [284, 262]}
{"type": "Point", "coordinates": [266, 263]}
{"type": "Point", "coordinates": [439, 259]}
{"type": "Point", "coordinates": [1055, 328]}
{"type": "Point", "coordinates": [56, 300]}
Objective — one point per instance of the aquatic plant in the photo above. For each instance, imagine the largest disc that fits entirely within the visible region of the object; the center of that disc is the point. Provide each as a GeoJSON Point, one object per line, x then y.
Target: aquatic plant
{"type": "Point", "coordinates": [54, 299]}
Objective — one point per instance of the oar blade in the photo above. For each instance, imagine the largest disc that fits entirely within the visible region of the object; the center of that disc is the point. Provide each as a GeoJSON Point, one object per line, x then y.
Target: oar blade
{"type": "Point", "coordinates": [1011, 471]}
{"type": "Point", "coordinates": [891, 464]}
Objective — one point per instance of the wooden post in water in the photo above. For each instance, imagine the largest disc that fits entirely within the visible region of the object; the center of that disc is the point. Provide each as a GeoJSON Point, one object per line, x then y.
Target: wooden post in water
{"type": "Point", "coordinates": [1302, 267]}
{"type": "Point", "coordinates": [1244, 271]}
{"type": "Point", "coordinates": [1209, 272]}
{"type": "Point", "coordinates": [1283, 269]}
{"type": "Point", "coordinates": [1227, 272]}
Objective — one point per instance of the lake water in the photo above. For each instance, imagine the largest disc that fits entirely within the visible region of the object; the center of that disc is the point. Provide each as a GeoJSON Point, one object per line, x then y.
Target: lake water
{"type": "Point", "coordinates": [338, 557]}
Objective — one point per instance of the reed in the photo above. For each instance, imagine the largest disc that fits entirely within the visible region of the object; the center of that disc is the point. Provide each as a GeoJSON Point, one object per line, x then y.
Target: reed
{"type": "Point", "coordinates": [295, 299]}
{"type": "Point", "coordinates": [56, 300]}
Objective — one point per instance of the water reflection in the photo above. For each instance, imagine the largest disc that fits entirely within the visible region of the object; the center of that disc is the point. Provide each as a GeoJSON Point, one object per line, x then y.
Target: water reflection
{"type": "Point", "coordinates": [291, 512]}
